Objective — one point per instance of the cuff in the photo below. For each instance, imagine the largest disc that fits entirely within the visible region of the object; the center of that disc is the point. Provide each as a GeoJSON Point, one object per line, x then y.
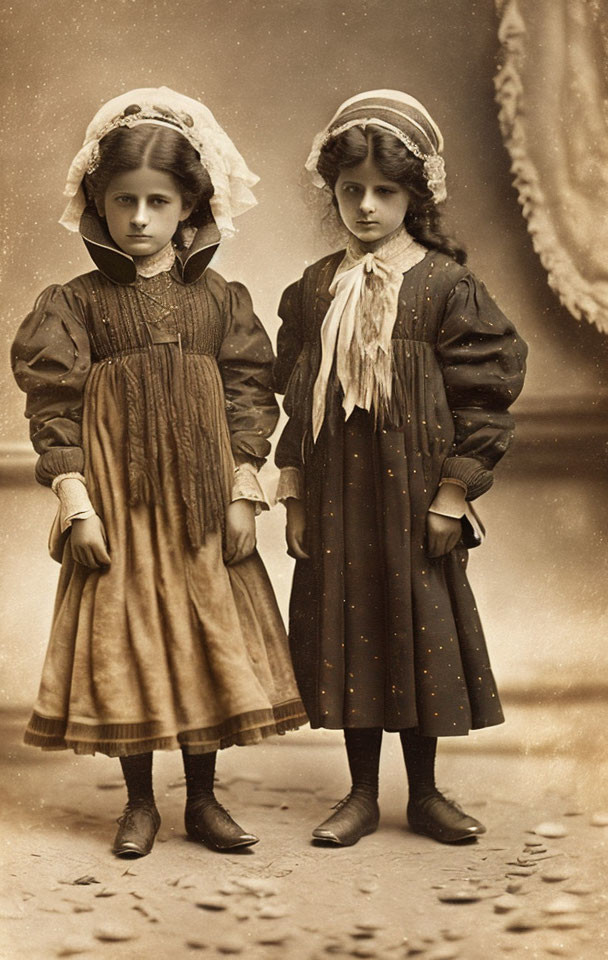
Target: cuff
{"type": "Point", "coordinates": [450, 499]}
{"type": "Point", "coordinates": [57, 461]}
{"type": "Point", "coordinates": [246, 486]}
{"type": "Point", "coordinates": [475, 477]}
{"type": "Point", "coordinates": [290, 485]}
{"type": "Point", "coordinates": [74, 502]}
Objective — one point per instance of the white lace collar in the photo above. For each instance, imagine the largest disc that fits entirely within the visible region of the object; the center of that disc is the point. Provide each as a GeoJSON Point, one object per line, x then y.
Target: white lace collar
{"type": "Point", "coordinates": [156, 263]}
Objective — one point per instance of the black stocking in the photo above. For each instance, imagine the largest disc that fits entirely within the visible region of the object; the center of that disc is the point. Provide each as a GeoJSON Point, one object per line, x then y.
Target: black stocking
{"type": "Point", "coordinates": [419, 754]}
{"type": "Point", "coordinates": [200, 772]}
{"type": "Point", "coordinates": [363, 750]}
{"type": "Point", "coordinates": [137, 771]}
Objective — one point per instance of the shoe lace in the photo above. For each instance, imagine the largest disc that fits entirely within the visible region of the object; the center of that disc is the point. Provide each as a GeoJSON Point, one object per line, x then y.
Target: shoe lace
{"type": "Point", "coordinates": [438, 797]}
{"type": "Point", "coordinates": [355, 793]}
{"type": "Point", "coordinates": [201, 803]}
{"type": "Point", "coordinates": [126, 817]}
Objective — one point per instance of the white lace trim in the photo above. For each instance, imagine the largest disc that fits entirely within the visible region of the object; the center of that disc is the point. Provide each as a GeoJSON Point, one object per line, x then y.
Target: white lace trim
{"type": "Point", "coordinates": [231, 178]}
{"type": "Point", "coordinates": [156, 263]}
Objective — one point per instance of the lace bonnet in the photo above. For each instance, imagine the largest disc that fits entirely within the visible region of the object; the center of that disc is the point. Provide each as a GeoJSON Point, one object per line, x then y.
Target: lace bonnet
{"type": "Point", "coordinates": [401, 115]}
{"type": "Point", "coordinates": [231, 178]}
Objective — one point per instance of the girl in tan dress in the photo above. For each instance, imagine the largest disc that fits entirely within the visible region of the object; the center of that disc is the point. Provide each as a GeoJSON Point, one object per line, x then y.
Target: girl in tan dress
{"type": "Point", "coordinates": [149, 400]}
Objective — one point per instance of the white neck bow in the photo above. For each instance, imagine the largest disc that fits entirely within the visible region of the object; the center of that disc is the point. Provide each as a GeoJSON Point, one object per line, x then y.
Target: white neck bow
{"type": "Point", "coordinates": [358, 326]}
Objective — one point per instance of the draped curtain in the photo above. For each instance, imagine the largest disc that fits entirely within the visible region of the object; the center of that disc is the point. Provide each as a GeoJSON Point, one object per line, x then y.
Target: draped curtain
{"type": "Point", "coordinates": [552, 88]}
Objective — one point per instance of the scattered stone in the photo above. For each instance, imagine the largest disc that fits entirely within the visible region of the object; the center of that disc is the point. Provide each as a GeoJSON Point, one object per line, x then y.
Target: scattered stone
{"type": "Point", "coordinates": [336, 947]}
{"type": "Point", "coordinates": [522, 872]}
{"type": "Point", "coordinates": [579, 889]}
{"type": "Point", "coordinates": [84, 881]}
{"type": "Point", "coordinates": [573, 811]}
{"type": "Point", "coordinates": [565, 921]}
{"type": "Point", "coordinates": [447, 951]}
{"type": "Point", "coordinates": [196, 944]}
{"type": "Point", "coordinates": [274, 939]}
{"type": "Point", "coordinates": [555, 874]}
{"type": "Point", "coordinates": [565, 903]}
{"type": "Point", "coordinates": [506, 903]}
{"type": "Point", "coordinates": [459, 896]}
{"type": "Point", "coordinates": [514, 886]}
{"type": "Point", "coordinates": [231, 945]}
{"type": "Point", "coordinates": [368, 926]}
{"type": "Point", "coordinates": [522, 921]}
{"type": "Point", "coordinates": [82, 908]}
{"type": "Point", "coordinates": [211, 903]}
{"type": "Point", "coordinates": [557, 948]}
{"type": "Point", "coordinates": [257, 886]}
{"type": "Point", "coordinates": [111, 785]}
{"type": "Point", "coordinates": [114, 933]}
{"type": "Point", "coordinates": [228, 889]}
{"type": "Point", "coordinates": [599, 819]}
{"type": "Point", "coordinates": [415, 947]}
{"type": "Point", "coordinates": [75, 945]}
{"type": "Point", "coordinates": [550, 829]}
{"type": "Point", "coordinates": [272, 912]}
{"type": "Point", "coordinates": [106, 892]}
{"type": "Point", "coordinates": [534, 843]}
{"type": "Point", "coordinates": [368, 886]}
{"type": "Point", "coordinates": [364, 950]}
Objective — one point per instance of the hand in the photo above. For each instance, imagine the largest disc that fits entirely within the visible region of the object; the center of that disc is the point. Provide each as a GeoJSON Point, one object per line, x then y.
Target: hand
{"type": "Point", "coordinates": [240, 531]}
{"type": "Point", "coordinates": [443, 533]}
{"type": "Point", "coordinates": [295, 531]}
{"type": "Point", "coordinates": [89, 542]}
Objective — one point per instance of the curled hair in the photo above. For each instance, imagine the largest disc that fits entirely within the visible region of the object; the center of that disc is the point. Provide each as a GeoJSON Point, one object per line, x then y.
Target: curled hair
{"type": "Point", "coordinates": [422, 219]}
{"type": "Point", "coordinates": [159, 148]}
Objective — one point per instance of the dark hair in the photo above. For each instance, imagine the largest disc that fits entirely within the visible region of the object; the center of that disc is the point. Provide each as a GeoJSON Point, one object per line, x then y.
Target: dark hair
{"type": "Point", "coordinates": [422, 219]}
{"type": "Point", "coordinates": [160, 148]}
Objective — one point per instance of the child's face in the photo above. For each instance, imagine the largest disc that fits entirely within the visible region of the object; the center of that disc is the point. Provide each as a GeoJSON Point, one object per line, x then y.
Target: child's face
{"type": "Point", "coordinates": [142, 209]}
{"type": "Point", "coordinates": [370, 206]}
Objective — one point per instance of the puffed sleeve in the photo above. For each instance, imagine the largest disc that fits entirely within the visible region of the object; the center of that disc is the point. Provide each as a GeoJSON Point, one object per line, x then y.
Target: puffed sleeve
{"type": "Point", "coordinates": [483, 364]}
{"type": "Point", "coordinates": [51, 361]}
{"type": "Point", "coordinates": [289, 351]}
{"type": "Point", "coordinates": [245, 361]}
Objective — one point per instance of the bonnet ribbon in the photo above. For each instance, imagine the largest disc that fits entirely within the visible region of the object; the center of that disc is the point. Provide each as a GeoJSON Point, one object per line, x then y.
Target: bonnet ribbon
{"type": "Point", "coordinates": [358, 326]}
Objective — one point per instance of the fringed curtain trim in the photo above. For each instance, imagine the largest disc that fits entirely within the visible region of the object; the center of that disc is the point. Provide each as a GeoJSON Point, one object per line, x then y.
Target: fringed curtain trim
{"type": "Point", "coordinates": [552, 87]}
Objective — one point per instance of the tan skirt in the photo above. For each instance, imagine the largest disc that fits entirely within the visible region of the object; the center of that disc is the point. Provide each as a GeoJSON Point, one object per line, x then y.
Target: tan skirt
{"type": "Point", "coordinates": [167, 647]}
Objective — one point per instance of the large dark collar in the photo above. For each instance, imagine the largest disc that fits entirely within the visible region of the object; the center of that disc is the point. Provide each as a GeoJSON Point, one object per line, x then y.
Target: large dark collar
{"type": "Point", "coordinates": [119, 267]}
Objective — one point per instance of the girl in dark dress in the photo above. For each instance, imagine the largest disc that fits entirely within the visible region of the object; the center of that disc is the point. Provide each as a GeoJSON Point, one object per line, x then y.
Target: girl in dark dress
{"type": "Point", "coordinates": [398, 370]}
{"type": "Point", "coordinates": [150, 406]}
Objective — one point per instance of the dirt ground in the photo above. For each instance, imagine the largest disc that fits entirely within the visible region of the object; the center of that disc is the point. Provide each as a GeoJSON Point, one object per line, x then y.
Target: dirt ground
{"type": "Point", "coordinates": [514, 893]}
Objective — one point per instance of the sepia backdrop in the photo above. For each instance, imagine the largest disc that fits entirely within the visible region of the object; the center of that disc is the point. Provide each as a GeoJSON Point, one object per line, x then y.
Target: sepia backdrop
{"type": "Point", "coordinates": [273, 72]}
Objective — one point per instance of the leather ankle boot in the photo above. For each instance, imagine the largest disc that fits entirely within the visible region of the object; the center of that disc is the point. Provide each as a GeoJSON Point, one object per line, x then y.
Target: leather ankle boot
{"type": "Point", "coordinates": [356, 816]}
{"type": "Point", "coordinates": [208, 822]}
{"type": "Point", "coordinates": [441, 819]}
{"type": "Point", "coordinates": [137, 829]}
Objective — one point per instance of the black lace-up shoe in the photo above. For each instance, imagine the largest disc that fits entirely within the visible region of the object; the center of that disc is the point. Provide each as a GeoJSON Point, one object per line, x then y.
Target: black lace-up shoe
{"type": "Point", "coordinates": [208, 822]}
{"type": "Point", "coordinates": [137, 828]}
{"type": "Point", "coordinates": [441, 819]}
{"type": "Point", "coordinates": [356, 816]}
